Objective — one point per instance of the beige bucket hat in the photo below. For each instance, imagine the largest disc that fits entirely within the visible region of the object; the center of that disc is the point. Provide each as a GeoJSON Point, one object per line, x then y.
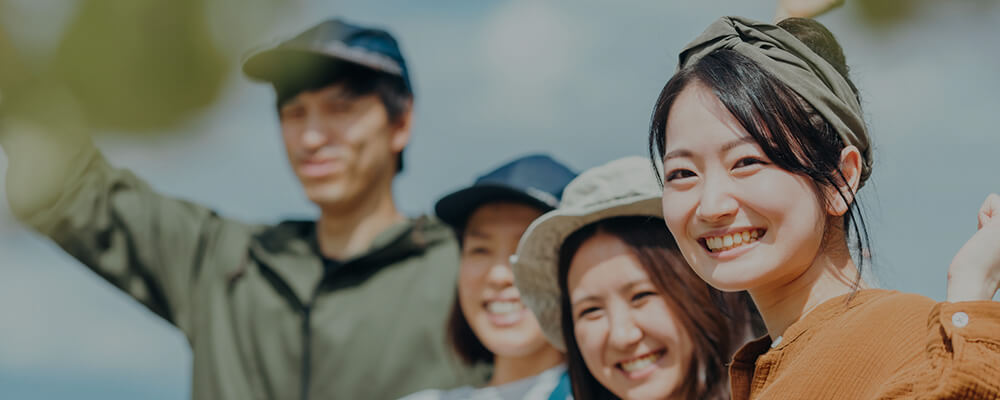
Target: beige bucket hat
{"type": "Point", "coordinates": [624, 187]}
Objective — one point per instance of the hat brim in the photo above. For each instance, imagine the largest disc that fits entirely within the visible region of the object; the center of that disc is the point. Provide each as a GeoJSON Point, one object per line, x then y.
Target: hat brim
{"type": "Point", "coordinates": [455, 208]}
{"type": "Point", "coordinates": [285, 64]}
{"type": "Point", "coordinates": [536, 267]}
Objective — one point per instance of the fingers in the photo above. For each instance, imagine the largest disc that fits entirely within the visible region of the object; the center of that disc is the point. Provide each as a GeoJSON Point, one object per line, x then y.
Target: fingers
{"type": "Point", "coordinates": [990, 211]}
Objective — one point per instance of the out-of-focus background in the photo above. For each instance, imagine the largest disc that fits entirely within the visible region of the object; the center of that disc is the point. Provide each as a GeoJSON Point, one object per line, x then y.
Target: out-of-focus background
{"type": "Point", "coordinates": [160, 81]}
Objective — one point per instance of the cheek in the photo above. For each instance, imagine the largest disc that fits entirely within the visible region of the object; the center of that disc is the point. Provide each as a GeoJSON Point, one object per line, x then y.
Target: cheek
{"type": "Point", "coordinates": [589, 337]}
{"type": "Point", "coordinates": [678, 211]}
{"type": "Point", "coordinates": [469, 288]}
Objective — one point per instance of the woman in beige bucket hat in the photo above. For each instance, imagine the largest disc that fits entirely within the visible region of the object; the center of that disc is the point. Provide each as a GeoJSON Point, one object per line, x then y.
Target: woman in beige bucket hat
{"type": "Point", "coordinates": [610, 287]}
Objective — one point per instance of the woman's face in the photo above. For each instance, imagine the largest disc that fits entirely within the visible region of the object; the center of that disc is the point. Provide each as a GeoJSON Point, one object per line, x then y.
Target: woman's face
{"type": "Point", "coordinates": [487, 296]}
{"type": "Point", "coordinates": [630, 339]}
{"type": "Point", "coordinates": [742, 222]}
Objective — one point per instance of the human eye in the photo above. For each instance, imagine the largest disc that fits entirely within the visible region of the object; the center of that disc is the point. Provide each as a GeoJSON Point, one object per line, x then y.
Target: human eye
{"type": "Point", "coordinates": [642, 295]}
{"type": "Point", "coordinates": [679, 173]}
{"type": "Point", "coordinates": [588, 312]}
{"type": "Point", "coordinates": [476, 250]}
{"type": "Point", "coordinates": [290, 113]}
{"type": "Point", "coordinates": [749, 161]}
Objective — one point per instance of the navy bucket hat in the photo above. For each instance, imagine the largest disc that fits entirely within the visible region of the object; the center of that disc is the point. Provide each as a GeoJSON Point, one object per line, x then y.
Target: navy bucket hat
{"type": "Point", "coordinates": [536, 180]}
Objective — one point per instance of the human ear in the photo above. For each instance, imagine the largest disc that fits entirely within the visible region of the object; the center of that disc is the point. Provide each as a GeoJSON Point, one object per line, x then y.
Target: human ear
{"type": "Point", "coordinates": [850, 172]}
{"type": "Point", "coordinates": [401, 130]}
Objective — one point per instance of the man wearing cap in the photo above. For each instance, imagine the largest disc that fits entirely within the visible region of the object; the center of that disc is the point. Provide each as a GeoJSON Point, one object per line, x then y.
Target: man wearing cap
{"type": "Point", "coordinates": [351, 306]}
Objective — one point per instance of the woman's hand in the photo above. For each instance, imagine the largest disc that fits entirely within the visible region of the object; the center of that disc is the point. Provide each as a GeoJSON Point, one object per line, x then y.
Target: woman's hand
{"type": "Point", "coordinates": [974, 273]}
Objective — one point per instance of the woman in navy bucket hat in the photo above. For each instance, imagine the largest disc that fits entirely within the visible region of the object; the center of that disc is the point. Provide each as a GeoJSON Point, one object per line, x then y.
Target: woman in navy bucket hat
{"type": "Point", "coordinates": [488, 322]}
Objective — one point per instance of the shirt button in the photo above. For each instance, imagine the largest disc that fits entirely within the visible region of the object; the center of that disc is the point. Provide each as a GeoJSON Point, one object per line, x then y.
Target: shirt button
{"type": "Point", "coordinates": [777, 341]}
{"type": "Point", "coordinates": [960, 319]}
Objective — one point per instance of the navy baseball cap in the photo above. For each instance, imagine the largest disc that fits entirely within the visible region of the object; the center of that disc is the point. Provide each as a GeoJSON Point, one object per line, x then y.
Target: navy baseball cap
{"type": "Point", "coordinates": [536, 180]}
{"type": "Point", "coordinates": [325, 46]}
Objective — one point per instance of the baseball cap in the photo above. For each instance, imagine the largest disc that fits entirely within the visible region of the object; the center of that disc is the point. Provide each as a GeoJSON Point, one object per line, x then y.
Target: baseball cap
{"type": "Point", "coordinates": [324, 46]}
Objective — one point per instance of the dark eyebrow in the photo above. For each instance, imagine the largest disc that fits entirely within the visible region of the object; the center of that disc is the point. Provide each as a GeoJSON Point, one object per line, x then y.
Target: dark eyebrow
{"type": "Point", "coordinates": [585, 299]}
{"type": "Point", "coordinates": [725, 147]}
{"type": "Point", "coordinates": [476, 234]}
{"type": "Point", "coordinates": [737, 143]}
{"type": "Point", "coordinates": [624, 289]}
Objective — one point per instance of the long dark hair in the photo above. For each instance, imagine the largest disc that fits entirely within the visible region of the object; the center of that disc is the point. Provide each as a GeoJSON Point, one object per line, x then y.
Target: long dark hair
{"type": "Point", "coordinates": [717, 322]}
{"type": "Point", "coordinates": [791, 133]}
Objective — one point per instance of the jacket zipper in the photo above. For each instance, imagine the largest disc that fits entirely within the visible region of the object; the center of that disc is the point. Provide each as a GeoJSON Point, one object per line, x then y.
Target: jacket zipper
{"type": "Point", "coordinates": [307, 344]}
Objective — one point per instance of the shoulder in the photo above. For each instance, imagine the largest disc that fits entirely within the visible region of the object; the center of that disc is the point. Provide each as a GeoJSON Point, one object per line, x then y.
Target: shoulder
{"type": "Point", "coordinates": [878, 321]}
{"type": "Point", "coordinates": [887, 306]}
{"type": "Point", "coordinates": [432, 232]}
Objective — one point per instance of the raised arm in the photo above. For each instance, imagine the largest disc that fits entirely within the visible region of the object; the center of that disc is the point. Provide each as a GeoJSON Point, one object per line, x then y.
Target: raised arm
{"type": "Point", "coordinates": [974, 273]}
{"type": "Point", "coordinates": [153, 247]}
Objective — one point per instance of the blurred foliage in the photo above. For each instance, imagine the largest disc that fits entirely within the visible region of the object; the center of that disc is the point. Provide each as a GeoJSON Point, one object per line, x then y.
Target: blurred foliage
{"type": "Point", "coordinates": [140, 65]}
{"type": "Point", "coordinates": [885, 13]}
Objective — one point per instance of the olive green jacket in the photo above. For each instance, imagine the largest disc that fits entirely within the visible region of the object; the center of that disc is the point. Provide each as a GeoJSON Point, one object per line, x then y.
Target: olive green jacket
{"type": "Point", "coordinates": [265, 318]}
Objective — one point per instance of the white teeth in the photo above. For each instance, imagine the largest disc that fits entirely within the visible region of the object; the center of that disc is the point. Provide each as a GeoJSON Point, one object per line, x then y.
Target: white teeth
{"type": "Point", "coordinates": [726, 242]}
{"type": "Point", "coordinates": [641, 362]}
{"type": "Point", "coordinates": [504, 307]}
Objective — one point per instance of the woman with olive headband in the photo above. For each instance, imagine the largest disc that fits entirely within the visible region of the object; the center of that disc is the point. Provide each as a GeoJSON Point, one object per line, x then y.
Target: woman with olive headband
{"type": "Point", "coordinates": [764, 148]}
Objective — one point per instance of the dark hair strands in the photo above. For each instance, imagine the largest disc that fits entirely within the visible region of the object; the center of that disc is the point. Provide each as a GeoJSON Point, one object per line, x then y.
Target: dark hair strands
{"type": "Point", "coordinates": [791, 133]}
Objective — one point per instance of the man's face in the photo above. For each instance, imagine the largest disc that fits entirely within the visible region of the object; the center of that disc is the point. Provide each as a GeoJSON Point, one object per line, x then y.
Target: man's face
{"type": "Point", "coordinates": [341, 146]}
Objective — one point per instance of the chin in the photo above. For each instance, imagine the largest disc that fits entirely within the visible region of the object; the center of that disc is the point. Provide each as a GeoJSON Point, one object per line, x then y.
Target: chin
{"type": "Point", "coordinates": [652, 390]}
{"type": "Point", "coordinates": [733, 277]}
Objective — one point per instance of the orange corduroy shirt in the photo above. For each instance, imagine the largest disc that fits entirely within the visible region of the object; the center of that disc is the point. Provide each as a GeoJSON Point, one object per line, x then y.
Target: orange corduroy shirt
{"type": "Point", "coordinates": [878, 344]}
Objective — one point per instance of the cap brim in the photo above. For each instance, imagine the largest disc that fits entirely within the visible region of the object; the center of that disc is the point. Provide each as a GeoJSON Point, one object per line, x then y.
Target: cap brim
{"type": "Point", "coordinates": [536, 267]}
{"type": "Point", "coordinates": [455, 208]}
{"type": "Point", "coordinates": [288, 63]}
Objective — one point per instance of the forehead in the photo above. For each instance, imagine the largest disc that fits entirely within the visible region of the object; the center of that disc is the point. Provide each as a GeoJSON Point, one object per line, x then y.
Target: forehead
{"type": "Point", "coordinates": [338, 91]}
{"type": "Point", "coordinates": [500, 216]}
{"type": "Point", "coordinates": [603, 262]}
{"type": "Point", "coordinates": [698, 119]}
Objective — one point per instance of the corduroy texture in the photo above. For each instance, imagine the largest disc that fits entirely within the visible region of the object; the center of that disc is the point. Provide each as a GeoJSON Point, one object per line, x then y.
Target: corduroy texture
{"type": "Point", "coordinates": [794, 64]}
{"type": "Point", "coordinates": [878, 345]}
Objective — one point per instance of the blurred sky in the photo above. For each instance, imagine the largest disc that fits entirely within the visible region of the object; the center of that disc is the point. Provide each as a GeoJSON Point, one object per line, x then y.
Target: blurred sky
{"type": "Point", "coordinates": [495, 80]}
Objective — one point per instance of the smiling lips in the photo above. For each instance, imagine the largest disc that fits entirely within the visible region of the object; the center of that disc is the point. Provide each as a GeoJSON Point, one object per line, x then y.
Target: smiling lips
{"type": "Point", "coordinates": [642, 362]}
{"type": "Point", "coordinates": [505, 312]}
{"type": "Point", "coordinates": [731, 240]}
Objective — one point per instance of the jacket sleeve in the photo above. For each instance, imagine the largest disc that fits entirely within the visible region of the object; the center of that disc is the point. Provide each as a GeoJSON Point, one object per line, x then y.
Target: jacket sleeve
{"type": "Point", "coordinates": [150, 246]}
{"type": "Point", "coordinates": [962, 358]}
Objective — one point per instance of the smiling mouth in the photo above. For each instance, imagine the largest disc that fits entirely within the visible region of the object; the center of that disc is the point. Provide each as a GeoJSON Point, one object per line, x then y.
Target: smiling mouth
{"type": "Point", "coordinates": [503, 308]}
{"type": "Point", "coordinates": [642, 362]}
{"type": "Point", "coordinates": [732, 240]}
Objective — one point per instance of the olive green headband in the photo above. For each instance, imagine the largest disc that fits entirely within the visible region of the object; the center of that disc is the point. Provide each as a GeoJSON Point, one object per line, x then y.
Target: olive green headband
{"type": "Point", "coordinates": [794, 64]}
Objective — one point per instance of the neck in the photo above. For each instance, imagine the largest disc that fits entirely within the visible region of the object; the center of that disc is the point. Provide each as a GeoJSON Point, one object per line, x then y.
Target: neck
{"type": "Point", "coordinates": [347, 231]}
{"type": "Point", "coordinates": [831, 274]}
{"type": "Point", "coordinates": [510, 369]}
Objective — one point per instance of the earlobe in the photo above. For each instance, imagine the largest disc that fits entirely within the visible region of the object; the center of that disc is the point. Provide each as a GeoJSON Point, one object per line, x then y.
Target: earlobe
{"type": "Point", "coordinates": [850, 171]}
{"type": "Point", "coordinates": [401, 131]}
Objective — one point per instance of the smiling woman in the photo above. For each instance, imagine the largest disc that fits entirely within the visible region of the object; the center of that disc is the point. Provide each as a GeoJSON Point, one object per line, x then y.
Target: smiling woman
{"type": "Point", "coordinates": [764, 147]}
{"type": "Point", "coordinates": [488, 323]}
{"type": "Point", "coordinates": [609, 286]}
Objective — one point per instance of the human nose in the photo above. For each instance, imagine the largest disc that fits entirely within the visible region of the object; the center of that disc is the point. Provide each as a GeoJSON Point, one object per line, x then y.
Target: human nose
{"type": "Point", "coordinates": [313, 136]}
{"type": "Point", "coordinates": [624, 332]}
{"type": "Point", "coordinates": [500, 273]}
{"type": "Point", "coordinates": [716, 202]}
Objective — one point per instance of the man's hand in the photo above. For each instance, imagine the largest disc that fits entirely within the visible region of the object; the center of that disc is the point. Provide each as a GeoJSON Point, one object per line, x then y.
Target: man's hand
{"type": "Point", "coordinates": [974, 273]}
{"type": "Point", "coordinates": [804, 8]}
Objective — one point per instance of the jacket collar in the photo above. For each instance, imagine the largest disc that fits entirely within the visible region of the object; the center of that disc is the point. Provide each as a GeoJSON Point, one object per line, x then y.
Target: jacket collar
{"type": "Point", "coordinates": [291, 251]}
